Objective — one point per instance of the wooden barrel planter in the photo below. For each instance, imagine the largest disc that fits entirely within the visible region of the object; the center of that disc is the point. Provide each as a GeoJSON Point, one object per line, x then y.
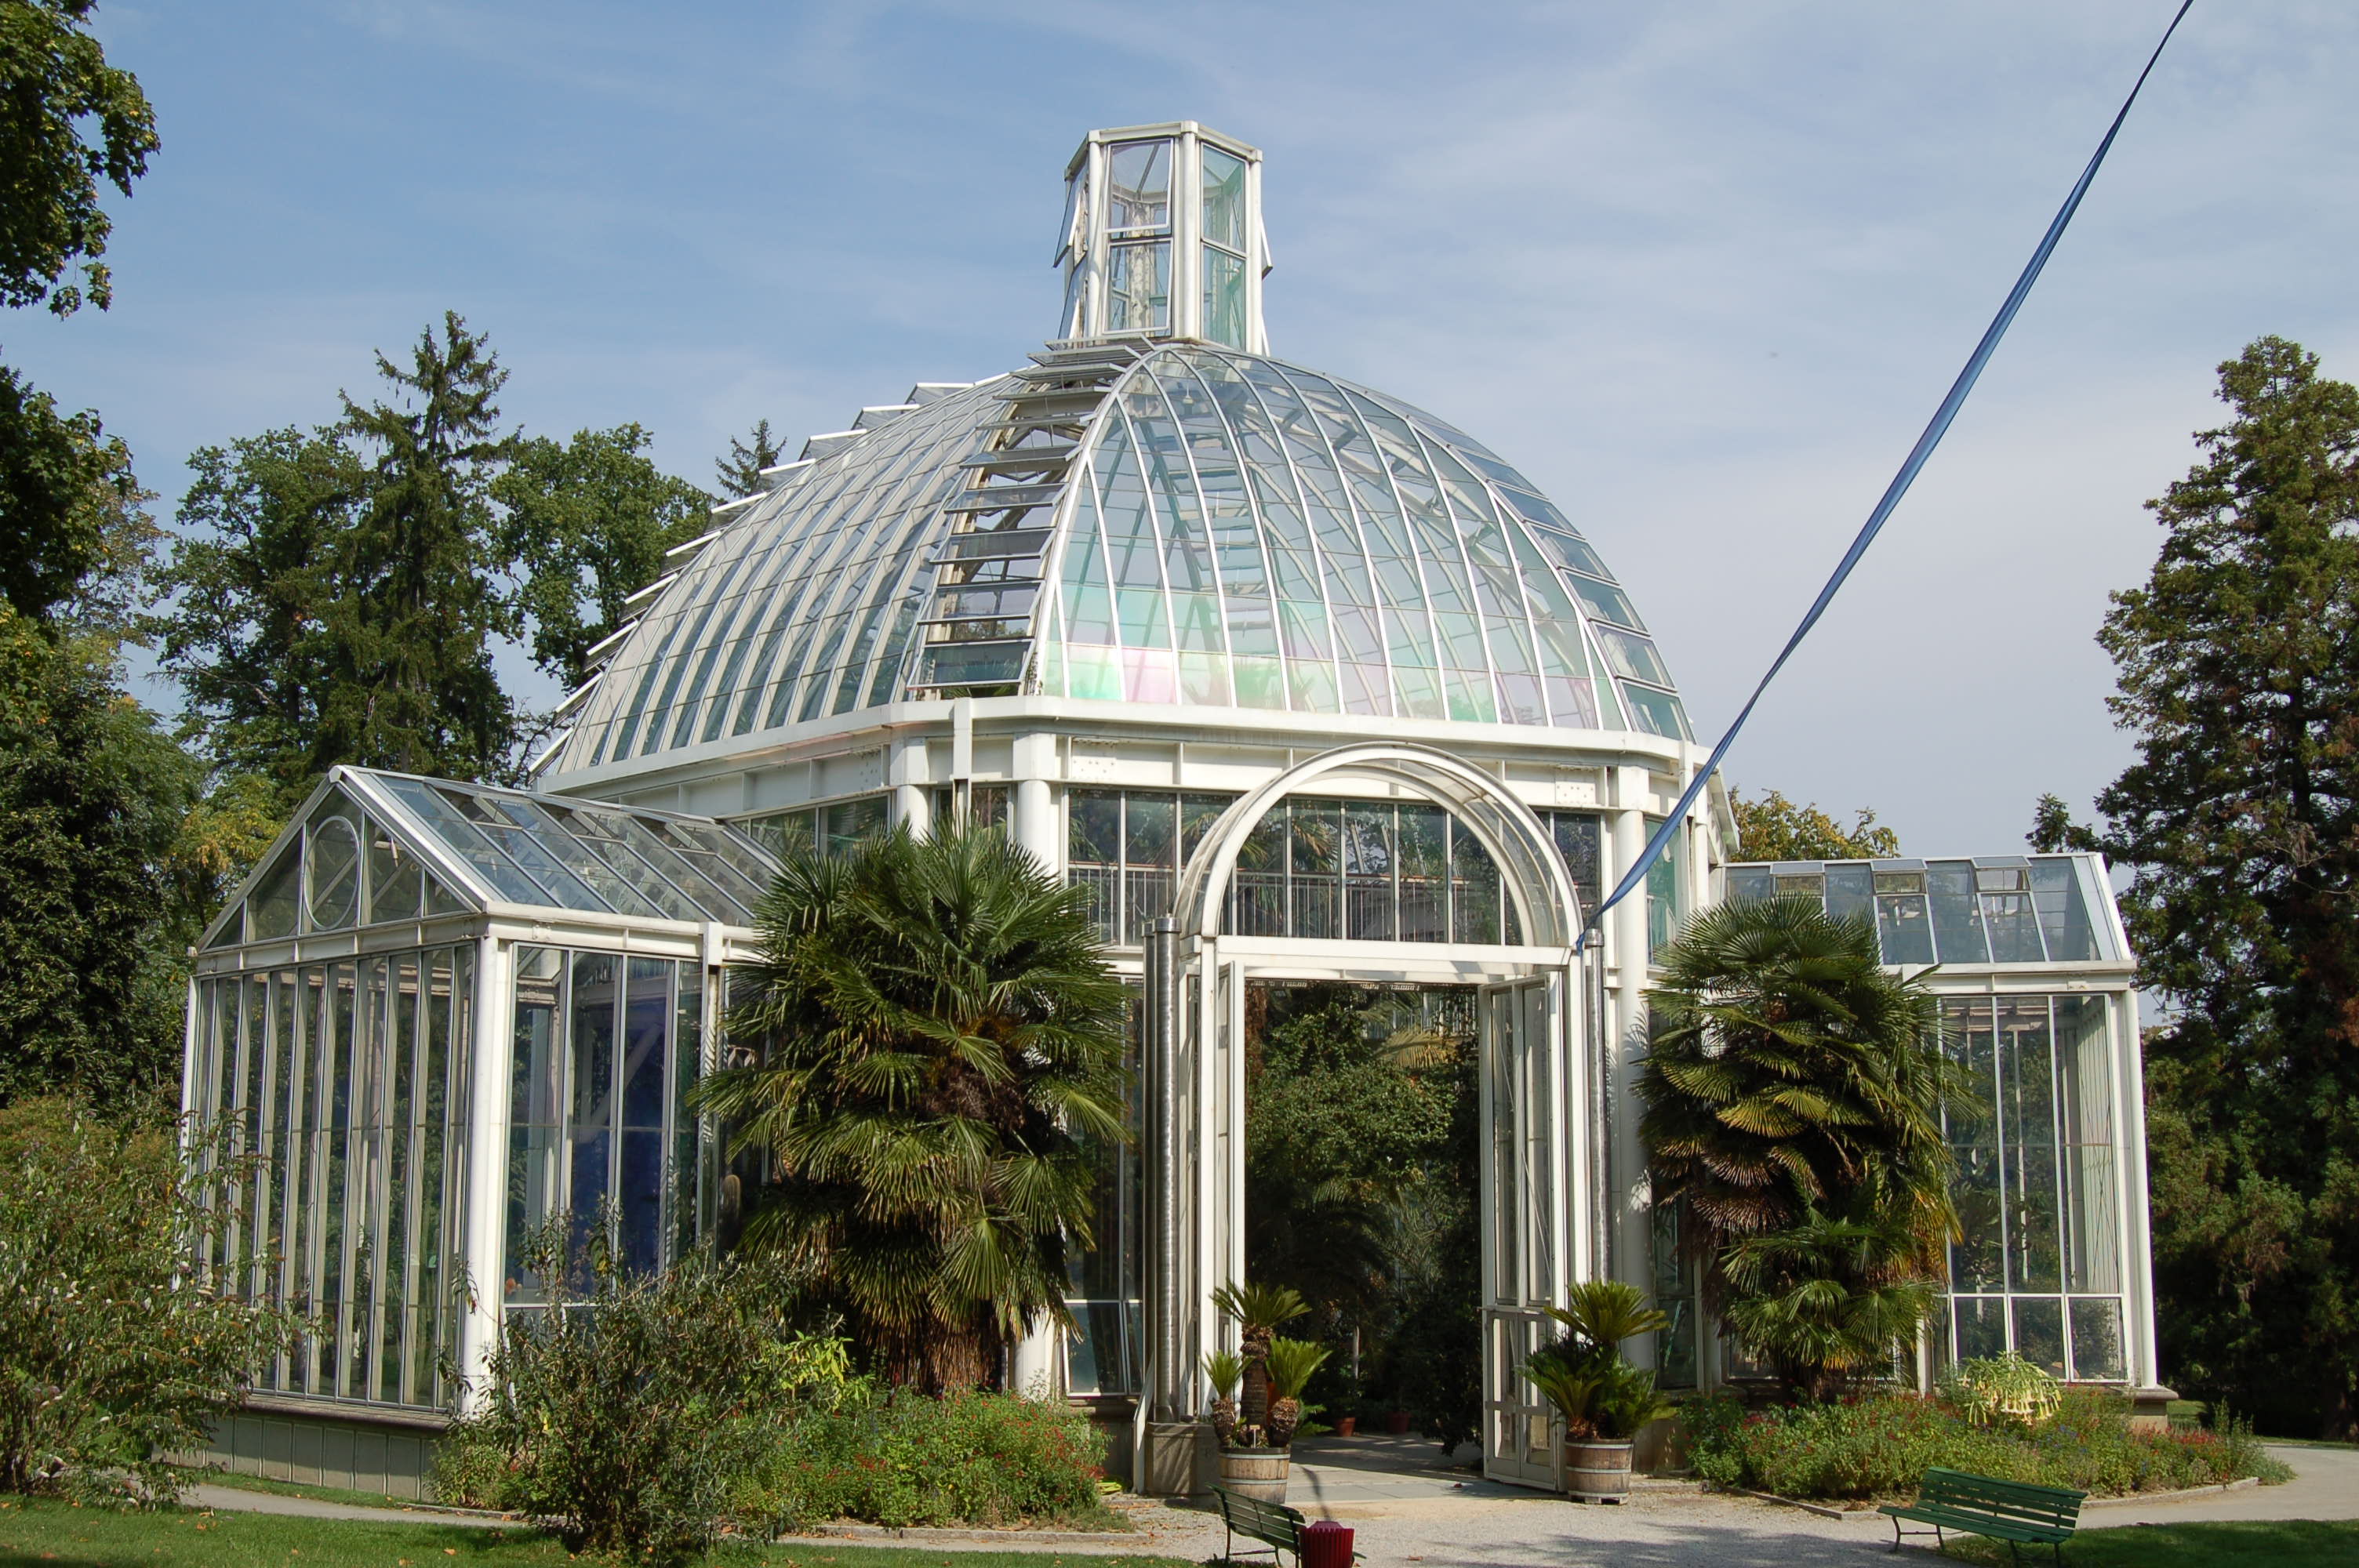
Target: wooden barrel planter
{"type": "Point", "coordinates": [1596, 1471]}
{"type": "Point", "coordinates": [1258, 1473]}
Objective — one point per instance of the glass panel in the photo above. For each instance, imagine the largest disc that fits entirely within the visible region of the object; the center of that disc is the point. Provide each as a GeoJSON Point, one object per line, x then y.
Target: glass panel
{"type": "Point", "coordinates": [2039, 1332]}
{"type": "Point", "coordinates": [332, 851]}
{"type": "Point", "coordinates": [1657, 712]}
{"type": "Point", "coordinates": [1578, 836]}
{"type": "Point", "coordinates": [536, 1110]}
{"type": "Point", "coordinates": [455, 831]}
{"type": "Point", "coordinates": [1093, 854]}
{"type": "Point", "coordinates": [1315, 856]}
{"type": "Point", "coordinates": [590, 1119]}
{"type": "Point", "coordinates": [2063, 914]}
{"type": "Point", "coordinates": [1138, 185]}
{"type": "Point", "coordinates": [2086, 1132]}
{"type": "Point", "coordinates": [1665, 890]}
{"type": "Point", "coordinates": [1225, 198]}
{"type": "Point", "coordinates": [1675, 1292]}
{"type": "Point", "coordinates": [1369, 911]}
{"type": "Point", "coordinates": [1902, 923]}
{"type": "Point", "coordinates": [509, 825]}
{"type": "Point", "coordinates": [1424, 859]}
{"type": "Point", "coordinates": [2008, 915]}
{"type": "Point", "coordinates": [1138, 287]}
{"type": "Point", "coordinates": [1150, 842]}
{"type": "Point", "coordinates": [2028, 1129]}
{"type": "Point", "coordinates": [1851, 894]}
{"type": "Point", "coordinates": [1477, 898]}
{"type": "Point", "coordinates": [847, 824]}
{"type": "Point", "coordinates": [1751, 884]}
{"type": "Point", "coordinates": [1957, 916]}
{"type": "Point", "coordinates": [2097, 1340]}
{"type": "Point", "coordinates": [647, 1053]}
{"type": "Point", "coordinates": [1224, 297]}
{"type": "Point", "coordinates": [1976, 1256]}
{"type": "Point", "coordinates": [397, 884]}
{"type": "Point", "coordinates": [1981, 1326]}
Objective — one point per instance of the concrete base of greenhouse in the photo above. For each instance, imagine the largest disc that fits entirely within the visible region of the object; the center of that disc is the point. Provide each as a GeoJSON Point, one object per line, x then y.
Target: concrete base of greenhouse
{"type": "Point", "coordinates": [389, 1452]}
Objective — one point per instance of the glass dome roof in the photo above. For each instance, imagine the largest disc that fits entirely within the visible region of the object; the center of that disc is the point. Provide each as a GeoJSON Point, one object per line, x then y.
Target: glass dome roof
{"type": "Point", "coordinates": [1173, 523]}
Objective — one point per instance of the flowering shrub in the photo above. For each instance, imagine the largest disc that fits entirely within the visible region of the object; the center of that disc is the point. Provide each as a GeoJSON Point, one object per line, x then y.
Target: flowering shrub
{"type": "Point", "coordinates": [1879, 1445]}
{"type": "Point", "coordinates": [907, 1459]}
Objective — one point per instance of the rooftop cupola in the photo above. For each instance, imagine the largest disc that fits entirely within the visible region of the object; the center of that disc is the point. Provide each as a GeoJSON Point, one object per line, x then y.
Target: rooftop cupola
{"type": "Point", "coordinates": [1163, 237]}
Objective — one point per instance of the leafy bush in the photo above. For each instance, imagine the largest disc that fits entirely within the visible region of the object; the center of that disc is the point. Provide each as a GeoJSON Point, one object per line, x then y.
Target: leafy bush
{"type": "Point", "coordinates": [629, 1405]}
{"type": "Point", "coordinates": [1879, 1445]}
{"type": "Point", "coordinates": [905, 1459]}
{"type": "Point", "coordinates": [113, 1352]}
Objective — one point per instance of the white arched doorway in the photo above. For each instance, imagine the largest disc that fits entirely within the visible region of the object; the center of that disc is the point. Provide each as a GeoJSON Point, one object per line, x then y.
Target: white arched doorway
{"type": "Point", "coordinates": [1537, 1092]}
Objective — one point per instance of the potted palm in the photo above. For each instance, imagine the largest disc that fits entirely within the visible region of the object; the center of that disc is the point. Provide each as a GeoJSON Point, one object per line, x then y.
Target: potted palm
{"type": "Point", "coordinates": [1599, 1397]}
{"type": "Point", "coordinates": [1253, 1459]}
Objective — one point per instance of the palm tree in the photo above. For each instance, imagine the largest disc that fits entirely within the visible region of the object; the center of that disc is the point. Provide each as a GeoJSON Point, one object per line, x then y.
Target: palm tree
{"type": "Point", "coordinates": [938, 1041]}
{"type": "Point", "coordinates": [1790, 1076]}
{"type": "Point", "coordinates": [1827, 1299]}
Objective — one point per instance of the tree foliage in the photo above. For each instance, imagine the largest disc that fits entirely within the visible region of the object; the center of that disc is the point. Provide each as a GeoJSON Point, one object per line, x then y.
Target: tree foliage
{"type": "Point", "coordinates": [2238, 664]}
{"type": "Point", "coordinates": [1792, 1084]}
{"type": "Point", "coordinates": [939, 1037]}
{"type": "Point", "coordinates": [740, 472]}
{"type": "Point", "coordinates": [93, 800]}
{"type": "Point", "coordinates": [1771, 827]}
{"type": "Point", "coordinates": [68, 121]}
{"type": "Point", "coordinates": [417, 606]}
{"type": "Point", "coordinates": [114, 1355]}
{"type": "Point", "coordinates": [589, 520]}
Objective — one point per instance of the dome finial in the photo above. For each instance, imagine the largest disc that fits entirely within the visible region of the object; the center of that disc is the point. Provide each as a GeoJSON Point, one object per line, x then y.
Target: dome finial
{"type": "Point", "coordinates": [1163, 237]}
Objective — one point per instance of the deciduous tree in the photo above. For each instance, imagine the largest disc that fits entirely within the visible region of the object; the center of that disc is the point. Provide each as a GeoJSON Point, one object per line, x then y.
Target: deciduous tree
{"type": "Point", "coordinates": [1771, 827]}
{"type": "Point", "coordinates": [587, 521]}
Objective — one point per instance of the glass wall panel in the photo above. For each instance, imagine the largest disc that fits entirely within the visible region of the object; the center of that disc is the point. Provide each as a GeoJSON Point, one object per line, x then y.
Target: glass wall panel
{"type": "Point", "coordinates": [1104, 1355]}
{"type": "Point", "coordinates": [1138, 185]}
{"type": "Point", "coordinates": [1224, 199]}
{"type": "Point", "coordinates": [2084, 1062]}
{"type": "Point", "coordinates": [1224, 301]}
{"type": "Point", "coordinates": [2036, 1193]}
{"type": "Point", "coordinates": [2027, 1124]}
{"type": "Point", "coordinates": [1665, 890]}
{"type": "Point", "coordinates": [1138, 287]}
{"type": "Point", "coordinates": [1676, 1298]}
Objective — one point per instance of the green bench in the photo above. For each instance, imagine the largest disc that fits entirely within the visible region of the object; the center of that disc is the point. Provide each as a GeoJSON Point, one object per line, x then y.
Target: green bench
{"type": "Point", "coordinates": [2014, 1511]}
{"type": "Point", "coordinates": [1273, 1523]}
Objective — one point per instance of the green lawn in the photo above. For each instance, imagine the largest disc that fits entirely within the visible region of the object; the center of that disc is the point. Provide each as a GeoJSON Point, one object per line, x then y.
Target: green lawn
{"type": "Point", "coordinates": [2291, 1543]}
{"type": "Point", "coordinates": [46, 1532]}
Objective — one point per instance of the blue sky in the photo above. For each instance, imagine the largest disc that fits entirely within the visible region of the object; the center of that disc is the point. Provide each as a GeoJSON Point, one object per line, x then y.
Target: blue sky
{"type": "Point", "coordinates": [1703, 271]}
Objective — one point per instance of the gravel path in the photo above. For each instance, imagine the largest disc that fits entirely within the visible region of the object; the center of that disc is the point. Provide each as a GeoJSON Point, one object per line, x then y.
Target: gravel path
{"type": "Point", "coordinates": [1443, 1525]}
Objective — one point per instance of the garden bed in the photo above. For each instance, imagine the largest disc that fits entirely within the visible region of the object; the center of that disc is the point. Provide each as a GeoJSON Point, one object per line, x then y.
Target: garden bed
{"type": "Point", "coordinates": [1878, 1446]}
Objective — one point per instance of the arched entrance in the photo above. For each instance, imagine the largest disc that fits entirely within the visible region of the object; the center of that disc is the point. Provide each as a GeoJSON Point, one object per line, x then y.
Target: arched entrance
{"type": "Point", "coordinates": [1536, 1089]}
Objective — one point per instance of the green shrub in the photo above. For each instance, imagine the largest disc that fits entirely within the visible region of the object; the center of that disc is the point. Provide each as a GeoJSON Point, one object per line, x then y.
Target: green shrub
{"type": "Point", "coordinates": [114, 1351]}
{"type": "Point", "coordinates": [1879, 1445]}
{"type": "Point", "coordinates": [628, 1406]}
{"type": "Point", "coordinates": [905, 1459]}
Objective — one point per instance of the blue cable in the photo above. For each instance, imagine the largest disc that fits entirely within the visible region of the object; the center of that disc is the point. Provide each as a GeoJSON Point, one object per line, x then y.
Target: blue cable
{"type": "Point", "coordinates": [1923, 450]}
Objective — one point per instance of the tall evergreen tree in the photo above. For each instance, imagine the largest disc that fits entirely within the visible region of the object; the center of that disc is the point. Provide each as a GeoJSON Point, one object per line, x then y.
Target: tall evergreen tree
{"type": "Point", "coordinates": [2239, 674]}
{"type": "Point", "coordinates": [740, 472]}
{"type": "Point", "coordinates": [587, 521]}
{"type": "Point", "coordinates": [417, 600]}
{"type": "Point", "coordinates": [248, 581]}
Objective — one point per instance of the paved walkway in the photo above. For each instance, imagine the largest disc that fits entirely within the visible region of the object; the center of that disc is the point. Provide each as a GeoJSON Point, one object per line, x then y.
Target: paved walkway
{"type": "Point", "coordinates": [1405, 1508]}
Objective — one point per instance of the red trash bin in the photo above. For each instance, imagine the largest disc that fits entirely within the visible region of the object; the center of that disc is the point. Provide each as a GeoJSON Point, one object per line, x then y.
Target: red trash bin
{"type": "Point", "coordinates": [1326, 1544]}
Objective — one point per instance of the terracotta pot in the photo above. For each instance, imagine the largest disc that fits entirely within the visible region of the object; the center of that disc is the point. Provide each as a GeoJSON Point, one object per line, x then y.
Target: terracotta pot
{"type": "Point", "coordinates": [1396, 1422]}
{"type": "Point", "coordinates": [1346, 1426]}
{"type": "Point", "coordinates": [1256, 1472]}
{"type": "Point", "coordinates": [1595, 1470]}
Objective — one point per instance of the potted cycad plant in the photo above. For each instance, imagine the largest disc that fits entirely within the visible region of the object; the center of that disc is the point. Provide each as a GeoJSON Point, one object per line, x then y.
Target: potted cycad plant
{"type": "Point", "coordinates": [1601, 1400]}
{"type": "Point", "coordinates": [1254, 1460]}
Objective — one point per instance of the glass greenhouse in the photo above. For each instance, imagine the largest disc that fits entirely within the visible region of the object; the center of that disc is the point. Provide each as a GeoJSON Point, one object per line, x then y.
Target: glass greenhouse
{"type": "Point", "coordinates": [1303, 685]}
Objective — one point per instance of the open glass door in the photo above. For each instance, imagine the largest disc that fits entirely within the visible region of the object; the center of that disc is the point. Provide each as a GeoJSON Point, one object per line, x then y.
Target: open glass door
{"type": "Point", "coordinates": [1525, 1216]}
